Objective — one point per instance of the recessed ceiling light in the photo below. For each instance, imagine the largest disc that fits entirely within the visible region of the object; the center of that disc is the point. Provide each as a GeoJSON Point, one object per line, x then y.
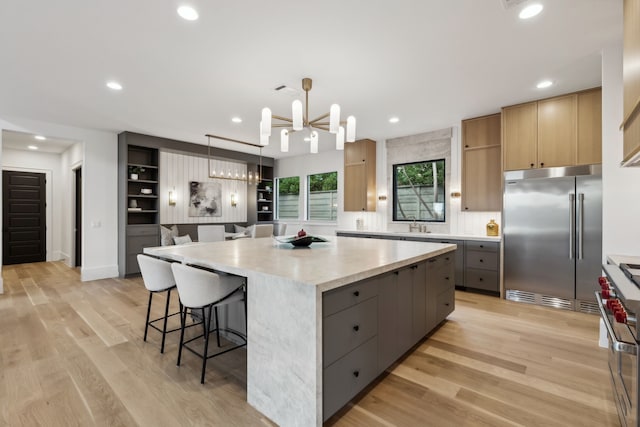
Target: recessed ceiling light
{"type": "Point", "coordinates": [236, 119]}
{"type": "Point", "coordinates": [188, 13]}
{"type": "Point", "coordinates": [114, 85]}
{"type": "Point", "coordinates": [32, 147]}
{"type": "Point", "coordinates": [544, 84]}
{"type": "Point", "coordinates": [394, 120]}
{"type": "Point", "coordinates": [530, 11]}
{"type": "Point", "coordinates": [40, 137]}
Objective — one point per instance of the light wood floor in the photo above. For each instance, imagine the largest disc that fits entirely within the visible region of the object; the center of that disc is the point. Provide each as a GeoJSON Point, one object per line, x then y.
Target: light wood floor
{"type": "Point", "coordinates": [71, 353]}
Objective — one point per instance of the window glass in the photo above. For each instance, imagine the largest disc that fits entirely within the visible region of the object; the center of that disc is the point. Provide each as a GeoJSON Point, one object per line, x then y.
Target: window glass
{"type": "Point", "coordinates": [287, 197]}
{"type": "Point", "coordinates": [418, 191]}
{"type": "Point", "coordinates": [322, 196]}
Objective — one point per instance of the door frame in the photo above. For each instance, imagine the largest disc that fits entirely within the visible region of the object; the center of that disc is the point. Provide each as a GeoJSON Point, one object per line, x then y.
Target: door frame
{"type": "Point", "coordinates": [49, 205]}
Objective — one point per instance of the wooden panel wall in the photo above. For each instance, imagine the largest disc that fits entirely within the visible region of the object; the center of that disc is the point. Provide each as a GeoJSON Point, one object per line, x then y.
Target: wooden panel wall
{"type": "Point", "coordinates": [177, 170]}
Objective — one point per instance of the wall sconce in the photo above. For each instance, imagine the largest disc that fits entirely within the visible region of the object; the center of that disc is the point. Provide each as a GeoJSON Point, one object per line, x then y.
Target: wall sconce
{"type": "Point", "coordinates": [234, 202]}
{"type": "Point", "coordinates": [456, 194]}
{"type": "Point", "coordinates": [172, 197]}
{"type": "Point", "coordinates": [382, 197]}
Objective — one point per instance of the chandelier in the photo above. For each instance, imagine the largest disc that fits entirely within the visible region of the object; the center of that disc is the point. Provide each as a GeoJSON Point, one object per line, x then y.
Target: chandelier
{"type": "Point", "coordinates": [250, 177]}
{"type": "Point", "coordinates": [300, 120]}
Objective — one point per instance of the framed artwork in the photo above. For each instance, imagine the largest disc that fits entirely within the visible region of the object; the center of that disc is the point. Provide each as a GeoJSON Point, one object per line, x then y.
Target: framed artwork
{"type": "Point", "coordinates": [205, 198]}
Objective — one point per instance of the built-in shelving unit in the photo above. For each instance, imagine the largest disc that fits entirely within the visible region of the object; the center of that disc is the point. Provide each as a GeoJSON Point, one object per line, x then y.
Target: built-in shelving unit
{"type": "Point", "coordinates": [138, 203]}
{"type": "Point", "coordinates": [264, 196]}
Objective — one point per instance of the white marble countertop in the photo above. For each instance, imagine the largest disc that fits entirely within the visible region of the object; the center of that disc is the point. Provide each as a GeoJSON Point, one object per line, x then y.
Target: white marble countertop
{"type": "Point", "coordinates": [424, 235]}
{"type": "Point", "coordinates": [329, 265]}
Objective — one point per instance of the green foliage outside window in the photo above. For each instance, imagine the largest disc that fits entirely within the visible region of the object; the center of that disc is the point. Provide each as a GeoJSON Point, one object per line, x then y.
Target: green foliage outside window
{"type": "Point", "coordinates": [290, 185]}
{"type": "Point", "coordinates": [323, 182]}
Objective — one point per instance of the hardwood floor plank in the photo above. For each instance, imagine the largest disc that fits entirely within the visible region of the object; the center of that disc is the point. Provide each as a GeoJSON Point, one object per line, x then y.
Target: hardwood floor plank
{"type": "Point", "coordinates": [107, 333]}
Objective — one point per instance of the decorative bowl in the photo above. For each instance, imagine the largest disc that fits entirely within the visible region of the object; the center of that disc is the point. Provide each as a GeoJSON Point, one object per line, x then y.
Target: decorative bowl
{"type": "Point", "coordinates": [300, 241]}
{"type": "Point", "coordinates": [146, 191]}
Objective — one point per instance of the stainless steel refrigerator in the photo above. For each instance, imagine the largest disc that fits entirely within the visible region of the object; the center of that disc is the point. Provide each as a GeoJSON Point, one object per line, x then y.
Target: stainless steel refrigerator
{"type": "Point", "coordinates": [552, 231]}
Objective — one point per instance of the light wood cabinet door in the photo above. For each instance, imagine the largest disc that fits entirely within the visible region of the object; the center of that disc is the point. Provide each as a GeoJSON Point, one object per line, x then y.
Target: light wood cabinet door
{"type": "Point", "coordinates": [481, 131]}
{"type": "Point", "coordinates": [360, 176]}
{"type": "Point", "coordinates": [631, 78]}
{"type": "Point", "coordinates": [520, 136]}
{"type": "Point", "coordinates": [557, 131]}
{"type": "Point", "coordinates": [482, 175]}
{"type": "Point", "coordinates": [589, 148]}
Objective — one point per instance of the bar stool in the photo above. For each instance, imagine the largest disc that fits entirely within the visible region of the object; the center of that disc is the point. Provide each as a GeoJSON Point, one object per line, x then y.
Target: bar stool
{"type": "Point", "coordinates": [206, 290]}
{"type": "Point", "coordinates": [157, 277]}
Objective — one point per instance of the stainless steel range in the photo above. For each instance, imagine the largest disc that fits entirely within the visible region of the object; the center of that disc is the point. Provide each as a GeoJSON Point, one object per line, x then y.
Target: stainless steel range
{"type": "Point", "coordinates": [619, 302]}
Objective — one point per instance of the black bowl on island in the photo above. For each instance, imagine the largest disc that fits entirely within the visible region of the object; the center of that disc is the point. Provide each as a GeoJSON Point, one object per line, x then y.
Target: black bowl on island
{"type": "Point", "coordinates": [300, 241]}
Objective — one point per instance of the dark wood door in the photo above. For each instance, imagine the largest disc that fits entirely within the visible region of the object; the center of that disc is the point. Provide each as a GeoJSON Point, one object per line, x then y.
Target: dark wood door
{"type": "Point", "coordinates": [78, 225]}
{"type": "Point", "coordinates": [24, 217]}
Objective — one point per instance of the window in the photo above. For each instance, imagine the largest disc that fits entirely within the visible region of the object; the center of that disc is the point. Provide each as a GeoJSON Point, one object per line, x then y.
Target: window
{"type": "Point", "coordinates": [418, 191]}
{"type": "Point", "coordinates": [288, 194]}
{"type": "Point", "coordinates": [322, 196]}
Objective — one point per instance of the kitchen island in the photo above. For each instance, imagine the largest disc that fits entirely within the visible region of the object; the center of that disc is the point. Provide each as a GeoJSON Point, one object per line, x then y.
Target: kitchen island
{"type": "Point", "coordinates": [285, 289]}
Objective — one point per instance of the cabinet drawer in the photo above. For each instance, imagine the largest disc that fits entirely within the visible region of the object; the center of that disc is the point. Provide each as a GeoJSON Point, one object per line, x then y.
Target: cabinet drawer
{"type": "Point", "coordinates": [347, 296]}
{"type": "Point", "coordinates": [136, 244]}
{"type": "Point", "coordinates": [482, 279]}
{"type": "Point", "coordinates": [348, 376]}
{"type": "Point", "coordinates": [347, 329]}
{"type": "Point", "coordinates": [482, 260]}
{"type": "Point", "coordinates": [440, 274]}
{"type": "Point", "coordinates": [481, 246]}
{"type": "Point", "coordinates": [445, 304]}
{"type": "Point", "coordinates": [143, 230]}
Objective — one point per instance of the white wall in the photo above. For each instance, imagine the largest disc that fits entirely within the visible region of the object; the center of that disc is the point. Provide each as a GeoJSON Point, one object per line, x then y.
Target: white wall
{"type": "Point", "coordinates": [100, 173]}
{"type": "Point", "coordinates": [51, 165]}
{"type": "Point", "coordinates": [620, 186]}
{"type": "Point", "coordinates": [178, 170]}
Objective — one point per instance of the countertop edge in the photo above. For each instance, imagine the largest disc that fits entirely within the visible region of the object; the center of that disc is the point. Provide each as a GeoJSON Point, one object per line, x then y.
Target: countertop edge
{"type": "Point", "coordinates": [425, 236]}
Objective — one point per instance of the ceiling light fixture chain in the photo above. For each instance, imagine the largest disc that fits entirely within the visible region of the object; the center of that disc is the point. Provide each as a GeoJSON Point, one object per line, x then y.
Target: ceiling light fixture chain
{"type": "Point", "coordinates": [300, 121]}
{"type": "Point", "coordinates": [248, 177]}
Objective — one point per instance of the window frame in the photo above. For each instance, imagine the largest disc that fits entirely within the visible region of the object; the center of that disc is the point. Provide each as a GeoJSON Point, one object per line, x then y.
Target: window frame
{"type": "Point", "coordinates": [334, 211]}
{"type": "Point", "coordinates": [394, 209]}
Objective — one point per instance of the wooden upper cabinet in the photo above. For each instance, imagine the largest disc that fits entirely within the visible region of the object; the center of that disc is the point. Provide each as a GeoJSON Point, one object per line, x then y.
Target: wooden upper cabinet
{"type": "Point", "coordinates": [481, 164]}
{"type": "Point", "coordinates": [557, 133]}
{"type": "Point", "coordinates": [520, 136]}
{"type": "Point", "coordinates": [360, 176]}
{"type": "Point", "coordinates": [631, 78]}
{"type": "Point", "coordinates": [481, 131]}
{"type": "Point", "coordinates": [589, 147]}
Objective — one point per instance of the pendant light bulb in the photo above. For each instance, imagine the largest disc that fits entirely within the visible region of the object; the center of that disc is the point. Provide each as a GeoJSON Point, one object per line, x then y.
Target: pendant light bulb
{"type": "Point", "coordinates": [334, 118]}
{"type": "Point", "coordinates": [340, 138]}
{"type": "Point", "coordinates": [296, 113]}
{"type": "Point", "coordinates": [314, 142]}
{"type": "Point", "coordinates": [351, 129]}
{"type": "Point", "coordinates": [264, 139]}
{"type": "Point", "coordinates": [284, 140]}
{"type": "Point", "coordinates": [265, 124]}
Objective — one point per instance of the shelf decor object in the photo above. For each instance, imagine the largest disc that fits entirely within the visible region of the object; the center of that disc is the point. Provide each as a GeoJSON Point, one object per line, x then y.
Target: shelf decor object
{"type": "Point", "coordinates": [250, 177]}
{"type": "Point", "coordinates": [300, 121]}
{"type": "Point", "coordinates": [300, 241]}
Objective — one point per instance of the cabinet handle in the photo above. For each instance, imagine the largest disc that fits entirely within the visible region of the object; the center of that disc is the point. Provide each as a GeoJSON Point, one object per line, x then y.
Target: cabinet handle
{"type": "Point", "coordinates": [447, 258]}
{"type": "Point", "coordinates": [446, 278]}
{"type": "Point", "coordinates": [466, 146]}
{"type": "Point", "coordinates": [413, 267]}
{"type": "Point", "coordinates": [481, 246]}
{"type": "Point", "coordinates": [466, 208]}
{"type": "Point", "coordinates": [356, 374]}
{"type": "Point", "coordinates": [481, 260]}
{"type": "Point", "coordinates": [481, 279]}
{"type": "Point", "coordinates": [356, 294]}
{"type": "Point", "coordinates": [541, 164]}
{"type": "Point", "coordinates": [432, 260]}
{"type": "Point", "coordinates": [531, 164]}
{"type": "Point", "coordinates": [356, 328]}
{"type": "Point", "coordinates": [396, 272]}
{"type": "Point", "coordinates": [447, 304]}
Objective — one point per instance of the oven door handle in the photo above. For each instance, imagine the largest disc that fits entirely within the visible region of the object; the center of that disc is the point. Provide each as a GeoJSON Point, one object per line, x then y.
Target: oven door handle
{"type": "Point", "coordinates": [619, 346]}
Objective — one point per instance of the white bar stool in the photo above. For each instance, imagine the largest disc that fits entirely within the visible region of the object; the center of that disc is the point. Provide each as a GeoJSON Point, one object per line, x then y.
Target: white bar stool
{"type": "Point", "coordinates": [206, 290]}
{"type": "Point", "coordinates": [157, 277]}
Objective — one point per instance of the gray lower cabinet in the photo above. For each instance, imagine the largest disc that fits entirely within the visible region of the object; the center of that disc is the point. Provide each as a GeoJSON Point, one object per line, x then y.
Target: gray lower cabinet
{"type": "Point", "coordinates": [482, 265]}
{"type": "Point", "coordinates": [138, 238]}
{"type": "Point", "coordinates": [370, 324]}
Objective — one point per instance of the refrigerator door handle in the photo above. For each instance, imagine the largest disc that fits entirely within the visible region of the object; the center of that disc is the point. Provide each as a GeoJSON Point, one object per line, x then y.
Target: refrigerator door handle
{"type": "Point", "coordinates": [572, 225]}
{"type": "Point", "coordinates": [580, 225]}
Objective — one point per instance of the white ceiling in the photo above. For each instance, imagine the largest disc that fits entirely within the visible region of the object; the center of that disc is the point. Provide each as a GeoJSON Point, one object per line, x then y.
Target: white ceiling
{"type": "Point", "coordinates": [429, 62]}
{"type": "Point", "coordinates": [22, 141]}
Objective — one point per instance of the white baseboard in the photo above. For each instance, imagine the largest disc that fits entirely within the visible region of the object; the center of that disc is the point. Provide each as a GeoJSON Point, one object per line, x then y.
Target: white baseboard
{"type": "Point", "coordinates": [97, 273]}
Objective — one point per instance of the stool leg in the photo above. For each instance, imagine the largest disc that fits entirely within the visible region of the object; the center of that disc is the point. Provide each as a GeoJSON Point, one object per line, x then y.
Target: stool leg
{"type": "Point", "coordinates": [146, 325]}
{"type": "Point", "coordinates": [183, 320]}
{"type": "Point", "coordinates": [206, 347]}
{"type": "Point", "coordinates": [166, 317]}
{"type": "Point", "coordinates": [215, 309]}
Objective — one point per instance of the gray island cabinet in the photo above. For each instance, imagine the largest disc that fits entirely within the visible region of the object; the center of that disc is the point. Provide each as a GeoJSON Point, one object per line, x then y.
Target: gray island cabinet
{"type": "Point", "coordinates": [324, 321]}
{"type": "Point", "coordinates": [370, 324]}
